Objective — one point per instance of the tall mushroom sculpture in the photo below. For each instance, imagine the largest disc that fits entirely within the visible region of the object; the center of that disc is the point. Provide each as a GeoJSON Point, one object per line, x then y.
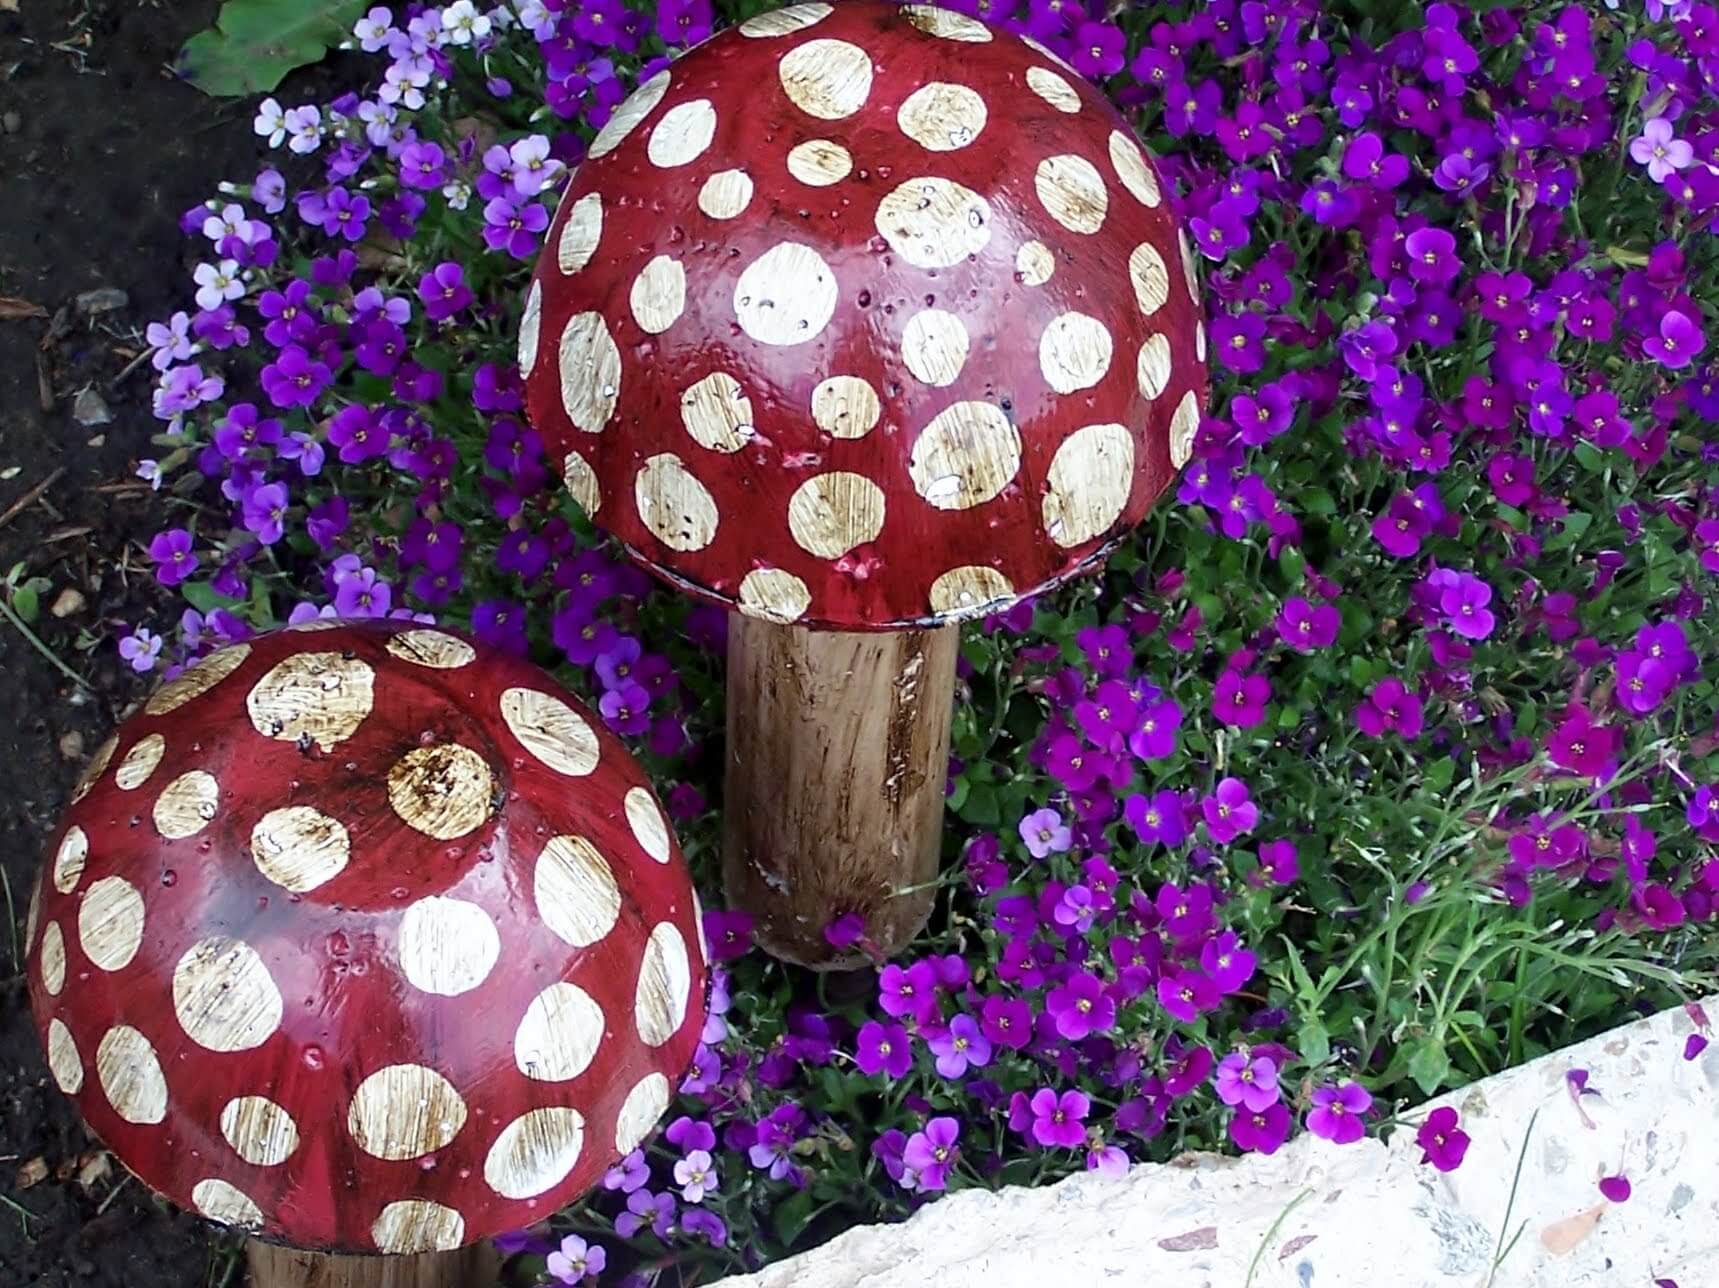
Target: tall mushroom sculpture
{"type": "Point", "coordinates": [366, 940]}
{"type": "Point", "coordinates": [860, 320]}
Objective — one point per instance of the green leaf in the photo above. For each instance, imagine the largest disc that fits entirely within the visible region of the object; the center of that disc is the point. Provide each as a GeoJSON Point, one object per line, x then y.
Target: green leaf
{"type": "Point", "coordinates": [205, 598]}
{"type": "Point", "coordinates": [26, 602]}
{"type": "Point", "coordinates": [1315, 1042]}
{"type": "Point", "coordinates": [791, 1215]}
{"type": "Point", "coordinates": [1440, 773]}
{"type": "Point", "coordinates": [1429, 1064]}
{"type": "Point", "coordinates": [255, 43]}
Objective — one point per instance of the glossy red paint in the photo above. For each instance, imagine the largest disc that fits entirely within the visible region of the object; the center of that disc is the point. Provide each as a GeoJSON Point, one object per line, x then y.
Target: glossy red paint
{"type": "Point", "coordinates": [327, 853]}
{"type": "Point", "coordinates": [944, 220]}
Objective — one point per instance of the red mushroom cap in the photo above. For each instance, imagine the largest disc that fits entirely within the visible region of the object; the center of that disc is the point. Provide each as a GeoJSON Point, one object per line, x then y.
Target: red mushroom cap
{"type": "Point", "coordinates": [865, 316]}
{"type": "Point", "coordinates": [366, 939]}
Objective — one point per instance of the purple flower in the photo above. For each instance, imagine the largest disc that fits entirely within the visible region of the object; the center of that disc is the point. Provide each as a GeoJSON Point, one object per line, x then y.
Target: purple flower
{"type": "Point", "coordinates": [1156, 818]}
{"type": "Point", "coordinates": [1240, 700]}
{"type": "Point", "coordinates": [140, 649]}
{"type": "Point", "coordinates": [626, 710]}
{"type": "Point", "coordinates": [360, 594]}
{"type": "Point", "coordinates": [1463, 601]}
{"type": "Point", "coordinates": [696, 1176]}
{"type": "Point", "coordinates": [1261, 1131]}
{"type": "Point", "coordinates": [628, 1174]}
{"type": "Point", "coordinates": [1338, 1113]}
{"type": "Point", "coordinates": [1306, 626]}
{"type": "Point", "coordinates": [265, 510]}
{"type": "Point", "coordinates": [929, 1154]}
{"type": "Point", "coordinates": [1443, 1143]}
{"type": "Point", "coordinates": [1659, 149]}
{"type": "Point", "coordinates": [1098, 49]}
{"type": "Point", "coordinates": [576, 1260]}
{"type": "Point", "coordinates": [776, 1136]}
{"type": "Point", "coordinates": [1229, 811]}
{"type": "Point", "coordinates": [513, 226]}
{"type": "Point", "coordinates": [1678, 343]}
{"type": "Point", "coordinates": [1390, 705]}
{"type": "Point", "coordinates": [1059, 1120]}
{"type": "Point", "coordinates": [1081, 1007]}
{"type": "Point", "coordinates": [1154, 735]}
{"type": "Point", "coordinates": [1006, 1021]}
{"type": "Point", "coordinates": [444, 291]}
{"type": "Point", "coordinates": [295, 379]}
{"type": "Point", "coordinates": [960, 1046]}
{"type": "Point", "coordinates": [1229, 964]}
{"type": "Point", "coordinates": [422, 165]}
{"type": "Point", "coordinates": [1184, 994]}
{"type": "Point", "coordinates": [885, 1049]}
{"type": "Point", "coordinates": [1044, 832]}
{"type": "Point", "coordinates": [705, 1223]}
{"type": "Point", "coordinates": [910, 991]}
{"type": "Point", "coordinates": [1248, 1082]}
{"type": "Point", "coordinates": [171, 551]}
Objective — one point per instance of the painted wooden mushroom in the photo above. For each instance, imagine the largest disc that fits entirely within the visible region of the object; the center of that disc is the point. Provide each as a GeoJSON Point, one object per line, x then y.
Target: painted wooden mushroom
{"type": "Point", "coordinates": [366, 940]}
{"type": "Point", "coordinates": [860, 319]}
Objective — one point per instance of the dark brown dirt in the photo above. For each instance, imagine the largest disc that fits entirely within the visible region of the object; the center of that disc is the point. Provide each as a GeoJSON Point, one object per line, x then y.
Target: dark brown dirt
{"type": "Point", "coordinates": [100, 152]}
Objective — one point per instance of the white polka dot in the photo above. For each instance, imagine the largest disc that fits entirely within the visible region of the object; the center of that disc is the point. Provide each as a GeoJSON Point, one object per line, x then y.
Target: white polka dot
{"type": "Point", "coordinates": [64, 1062]}
{"type": "Point", "coordinates": [683, 134]}
{"type": "Point", "coordinates": [934, 223]}
{"type": "Point", "coordinates": [1053, 89]}
{"type": "Point", "coordinates": [559, 1035]}
{"type": "Point", "coordinates": [818, 163]}
{"type": "Point", "coordinates": [1190, 270]}
{"type": "Point", "coordinates": [590, 372]}
{"type": "Point", "coordinates": [535, 1152]}
{"type": "Point", "coordinates": [637, 106]}
{"type": "Point", "coordinates": [140, 762]}
{"type": "Point", "coordinates": [1150, 277]}
{"type": "Point", "coordinates": [580, 234]}
{"type": "Point", "coordinates": [828, 79]}
{"type": "Point", "coordinates": [725, 194]}
{"type": "Point", "coordinates": [443, 790]}
{"type": "Point", "coordinates": [717, 413]}
{"type": "Point", "coordinates": [1088, 484]}
{"type": "Point", "coordinates": [785, 22]}
{"type": "Point", "coordinates": [259, 1130]}
{"type": "Point", "coordinates": [774, 595]}
{"type": "Point", "coordinates": [224, 997]}
{"type": "Point", "coordinates": [35, 913]}
{"type": "Point", "coordinates": [227, 1204]}
{"type": "Point", "coordinates": [665, 986]}
{"type": "Point", "coordinates": [1152, 368]}
{"type": "Point", "coordinates": [418, 1225]}
{"type": "Point", "coordinates": [110, 923]}
{"type": "Point", "coordinates": [1184, 427]}
{"type": "Point", "coordinates": [830, 514]}
{"type": "Point", "coordinates": [581, 481]}
{"type": "Point", "coordinates": [786, 295]}
{"type": "Point", "coordinates": [1074, 352]}
{"type": "Point", "coordinates": [934, 347]}
{"type": "Point", "coordinates": [674, 505]}
{"type": "Point", "coordinates": [659, 294]}
{"type": "Point", "coordinates": [313, 624]}
{"type": "Point", "coordinates": [95, 769]}
{"type": "Point", "coordinates": [1072, 192]}
{"type": "Point", "coordinates": [644, 1106]}
{"type": "Point", "coordinates": [845, 407]}
{"type": "Point", "coordinates": [1034, 263]}
{"type": "Point", "coordinates": [970, 590]}
{"type": "Point", "coordinates": [312, 697]}
{"type": "Point", "coordinates": [53, 959]}
{"type": "Point", "coordinates": [187, 805]}
{"type": "Point", "coordinates": [1200, 341]}
{"type": "Point", "coordinates": [550, 730]}
{"type": "Point", "coordinates": [575, 891]}
{"type": "Point", "coordinates": [70, 858]}
{"type": "Point", "coordinates": [195, 681]}
{"type": "Point", "coordinates": [447, 946]}
{"type": "Point", "coordinates": [1133, 169]}
{"type": "Point", "coordinates": [433, 649]}
{"type": "Point", "coordinates": [698, 920]}
{"type": "Point", "coordinates": [650, 829]}
{"type": "Point", "coordinates": [298, 847]}
{"type": "Point", "coordinates": [529, 323]}
{"type": "Point", "coordinates": [130, 1076]}
{"type": "Point", "coordinates": [966, 456]}
{"type": "Point", "coordinates": [935, 21]}
{"type": "Point", "coordinates": [405, 1111]}
{"type": "Point", "coordinates": [942, 116]}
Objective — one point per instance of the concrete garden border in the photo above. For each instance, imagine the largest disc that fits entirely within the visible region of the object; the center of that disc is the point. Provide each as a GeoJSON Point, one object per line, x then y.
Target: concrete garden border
{"type": "Point", "coordinates": [1367, 1215]}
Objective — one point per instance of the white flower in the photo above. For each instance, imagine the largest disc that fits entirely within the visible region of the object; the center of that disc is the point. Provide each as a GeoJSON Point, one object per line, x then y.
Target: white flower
{"type": "Point", "coordinates": [373, 29]}
{"type": "Point", "coordinates": [463, 23]}
{"type": "Point", "coordinates": [228, 223]}
{"type": "Point", "coordinates": [305, 125]}
{"type": "Point", "coordinates": [150, 472]}
{"type": "Point", "coordinates": [458, 193]}
{"type": "Point", "coordinates": [535, 15]}
{"type": "Point", "coordinates": [217, 285]}
{"type": "Point", "coordinates": [271, 122]}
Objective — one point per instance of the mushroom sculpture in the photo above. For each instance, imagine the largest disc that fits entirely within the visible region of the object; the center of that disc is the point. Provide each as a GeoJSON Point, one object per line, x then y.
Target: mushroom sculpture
{"type": "Point", "coordinates": [860, 320]}
{"type": "Point", "coordinates": [366, 940]}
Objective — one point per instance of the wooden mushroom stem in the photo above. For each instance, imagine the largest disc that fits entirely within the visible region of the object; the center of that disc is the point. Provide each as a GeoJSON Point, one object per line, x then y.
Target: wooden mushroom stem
{"type": "Point", "coordinates": [838, 755]}
{"type": "Point", "coordinates": [274, 1266]}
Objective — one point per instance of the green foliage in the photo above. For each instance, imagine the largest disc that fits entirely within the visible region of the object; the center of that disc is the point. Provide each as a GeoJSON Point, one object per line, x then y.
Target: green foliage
{"type": "Point", "coordinates": [255, 43]}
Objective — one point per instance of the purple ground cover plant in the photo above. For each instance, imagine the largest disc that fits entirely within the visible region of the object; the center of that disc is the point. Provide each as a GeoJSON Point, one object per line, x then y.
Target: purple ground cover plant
{"type": "Point", "coordinates": [1383, 758]}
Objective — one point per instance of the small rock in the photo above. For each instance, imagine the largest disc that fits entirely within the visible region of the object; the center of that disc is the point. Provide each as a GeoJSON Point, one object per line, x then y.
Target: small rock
{"type": "Point", "coordinates": [89, 409]}
{"type": "Point", "coordinates": [68, 601]}
{"type": "Point", "coordinates": [72, 745]}
{"type": "Point", "coordinates": [11, 122]}
{"type": "Point", "coordinates": [104, 299]}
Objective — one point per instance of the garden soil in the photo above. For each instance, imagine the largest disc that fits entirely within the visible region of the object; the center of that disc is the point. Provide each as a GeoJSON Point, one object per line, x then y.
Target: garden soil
{"type": "Point", "coordinates": [101, 149]}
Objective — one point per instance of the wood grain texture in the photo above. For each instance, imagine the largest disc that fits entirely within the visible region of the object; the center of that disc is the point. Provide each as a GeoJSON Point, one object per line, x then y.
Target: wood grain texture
{"type": "Point", "coordinates": [273, 1266]}
{"type": "Point", "coordinates": [838, 753]}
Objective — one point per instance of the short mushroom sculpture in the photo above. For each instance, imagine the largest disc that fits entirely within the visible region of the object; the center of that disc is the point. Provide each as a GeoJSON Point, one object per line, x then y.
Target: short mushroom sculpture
{"type": "Point", "coordinates": [366, 940]}
{"type": "Point", "coordinates": [860, 319]}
